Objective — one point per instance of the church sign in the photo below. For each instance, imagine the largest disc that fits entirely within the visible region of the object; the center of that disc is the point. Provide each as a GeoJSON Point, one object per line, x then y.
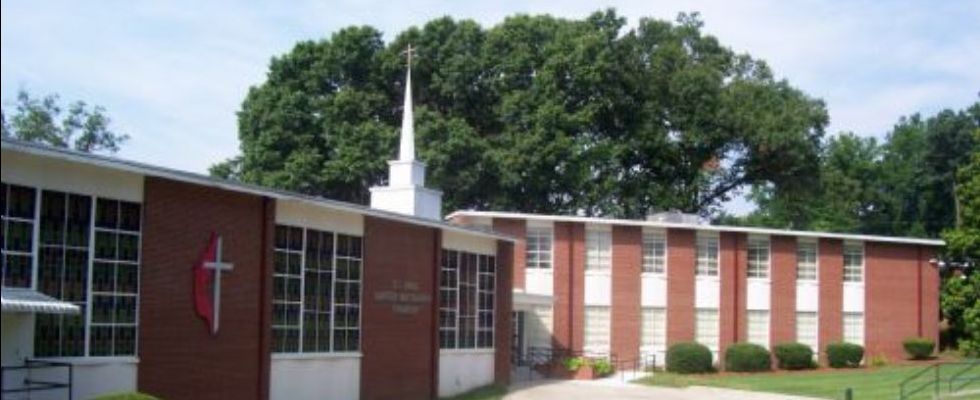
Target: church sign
{"type": "Point", "coordinates": [404, 296]}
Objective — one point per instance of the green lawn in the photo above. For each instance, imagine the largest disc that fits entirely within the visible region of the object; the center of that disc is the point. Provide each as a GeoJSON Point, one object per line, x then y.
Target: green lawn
{"type": "Point", "coordinates": [869, 383]}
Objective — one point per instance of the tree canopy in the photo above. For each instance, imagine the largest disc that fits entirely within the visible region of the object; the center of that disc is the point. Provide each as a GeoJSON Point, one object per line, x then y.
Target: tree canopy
{"type": "Point", "coordinates": [902, 185]}
{"type": "Point", "coordinates": [44, 120]}
{"type": "Point", "coordinates": [536, 114]}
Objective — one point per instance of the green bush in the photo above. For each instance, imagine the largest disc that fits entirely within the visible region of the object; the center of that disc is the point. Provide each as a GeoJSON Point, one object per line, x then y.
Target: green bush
{"type": "Point", "coordinates": [794, 356]}
{"type": "Point", "coordinates": [844, 355]}
{"type": "Point", "coordinates": [125, 396]}
{"type": "Point", "coordinates": [919, 348]}
{"type": "Point", "coordinates": [747, 357]}
{"type": "Point", "coordinates": [573, 363]}
{"type": "Point", "coordinates": [689, 358]}
{"type": "Point", "coordinates": [601, 367]}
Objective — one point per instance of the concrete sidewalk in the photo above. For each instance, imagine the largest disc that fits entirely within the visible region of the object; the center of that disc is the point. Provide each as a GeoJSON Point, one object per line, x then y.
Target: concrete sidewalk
{"type": "Point", "coordinates": [615, 388]}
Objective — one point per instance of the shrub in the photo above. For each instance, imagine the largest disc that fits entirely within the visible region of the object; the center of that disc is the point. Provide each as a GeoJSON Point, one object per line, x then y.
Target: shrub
{"type": "Point", "coordinates": [919, 348]}
{"type": "Point", "coordinates": [794, 356]}
{"type": "Point", "coordinates": [844, 355]}
{"type": "Point", "coordinates": [125, 396]}
{"type": "Point", "coordinates": [747, 357]}
{"type": "Point", "coordinates": [601, 367]}
{"type": "Point", "coordinates": [573, 363]}
{"type": "Point", "coordinates": [879, 360]}
{"type": "Point", "coordinates": [689, 358]}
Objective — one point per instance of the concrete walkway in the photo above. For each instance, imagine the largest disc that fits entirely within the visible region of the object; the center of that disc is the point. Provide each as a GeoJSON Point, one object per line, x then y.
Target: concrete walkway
{"type": "Point", "coordinates": [616, 388]}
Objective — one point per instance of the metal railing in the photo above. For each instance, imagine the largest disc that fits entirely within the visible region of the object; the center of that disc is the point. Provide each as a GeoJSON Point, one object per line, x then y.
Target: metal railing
{"type": "Point", "coordinates": [540, 361]}
{"type": "Point", "coordinates": [953, 376]}
{"type": "Point", "coordinates": [30, 385]}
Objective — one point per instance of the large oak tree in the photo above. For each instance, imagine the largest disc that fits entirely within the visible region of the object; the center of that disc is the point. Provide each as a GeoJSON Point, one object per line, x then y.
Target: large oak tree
{"type": "Point", "coordinates": [536, 114]}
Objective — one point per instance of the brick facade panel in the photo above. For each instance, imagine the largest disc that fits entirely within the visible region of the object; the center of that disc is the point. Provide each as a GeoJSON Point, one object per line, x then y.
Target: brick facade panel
{"type": "Point", "coordinates": [782, 321]}
{"type": "Point", "coordinates": [891, 298]}
{"type": "Point", "coordinates": [399, 350]}
{"type": "Point", "coordinates": [179, 357]}
{"type": "Point", "coordinates": [680, 285]}
{"type": "Point", "coordinates": [518, 229]}
{"type": "Point", "coordinates": [831, 276]}
{"type": "Point", "coordinates": [627, 259]}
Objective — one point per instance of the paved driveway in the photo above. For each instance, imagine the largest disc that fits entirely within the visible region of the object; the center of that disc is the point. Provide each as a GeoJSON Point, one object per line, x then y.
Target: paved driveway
{"type": "Point", "coordinates": [613, 389]}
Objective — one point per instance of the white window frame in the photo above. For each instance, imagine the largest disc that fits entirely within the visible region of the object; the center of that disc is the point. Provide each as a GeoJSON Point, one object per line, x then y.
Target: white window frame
{"type": "Point", "coordinates": [92, 229]}
{"type": "Point", "coordinates": [707, 255]}
{"type": "Point", "coordinates": [535, 237]}
{"type": "Point", "coordinates": [654, 328]}
{"type": "Point", "coordinates": [707, 327]}
{"type": "Point", "coordinates": [759, 258]}
{"type": "Point", "coordinates": [803, 249]}
{"type": "Point", "coordinates": [477, 291]}
{"type": "Point", "coordinates": [597, 339]}
{"type": "Point", "coordinates": [334, 304]}
{"type": "Point", "coordinates": [758, 327]}
{"type": "Point", "coordinates": [809, 337]}
{"type": "Point", "coordinates": [853, 327]}
{"type": "Point", "coordinates": [598, 250]}
{"type": "Point", "coordinates": [853, 272]}
{"type": "Point", "coordinates": [654, 252]}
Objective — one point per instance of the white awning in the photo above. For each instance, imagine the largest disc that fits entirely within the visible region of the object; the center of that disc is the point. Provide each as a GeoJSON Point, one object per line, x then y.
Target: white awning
{"type": "Point", "coordinates": [524, 300]}
{"type": "Point", "coordinates": [30, 301]}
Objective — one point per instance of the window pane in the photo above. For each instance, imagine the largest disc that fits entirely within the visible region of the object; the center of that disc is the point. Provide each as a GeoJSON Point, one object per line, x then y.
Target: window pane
{"type": "Point", "coordinates": [107, 214]}
{"type": "Point", "coordinates": [20, 203]}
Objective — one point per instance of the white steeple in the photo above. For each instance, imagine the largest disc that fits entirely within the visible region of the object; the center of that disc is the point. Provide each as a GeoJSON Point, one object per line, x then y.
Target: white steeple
{"type": "Point", "coordinates": [406, 192]}
{"type": "Point", "coordinates": [406, 149]}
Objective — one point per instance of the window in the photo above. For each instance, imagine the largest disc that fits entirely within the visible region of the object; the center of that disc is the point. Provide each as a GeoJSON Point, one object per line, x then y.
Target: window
{"type": "Point", "coordinates": [538, 254]}
{"type": "Point", "coordinates": [18, 215]}
{"type": "Point", "coordinates": [853, 262]}
{"type": "Point", "coordinates": [854, 327]}
{"type": "Point", "coordinates": [707, 256]}
{"type": "Point", "coordinates": [758, 258]}
{"type": "Point", "coordinates": [115, 271]}
{"type": "Point", "coordinates": [597, 328]}
{"type": "Point", "coordinates": [598, 250]}
{"type": "Point", "coordinates": [467, 286]}
{"type": "Point", "coordinates": [654, 252]}
{"type": "Point", "coordinates": [68, 233]}
{"type": "Point", "coordinates": [806, 329]}
{"type": "Point", "coordinates": [539, 327]}
{"type": "Point", "coordinates": [654, 328]}
{"type": "Point", "coordinates": [316, 297]}
{"type": "Point", "coordinates": [758, 324]}
{"type": "Point", "coordinates": [706, 328]}
{"type": "Point", "coordinates": [806, 261]}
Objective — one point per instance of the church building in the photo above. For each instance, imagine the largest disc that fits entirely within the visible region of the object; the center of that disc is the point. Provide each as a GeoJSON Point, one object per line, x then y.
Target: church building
{"type": "Point", "coordinates": [628, 289]}
{"type": "Point", "coordinates": [121, 276]}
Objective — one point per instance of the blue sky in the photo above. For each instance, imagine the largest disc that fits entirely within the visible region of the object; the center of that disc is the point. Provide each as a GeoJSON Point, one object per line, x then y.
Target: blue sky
{"type": "Point", "coordinates": [172, 74]}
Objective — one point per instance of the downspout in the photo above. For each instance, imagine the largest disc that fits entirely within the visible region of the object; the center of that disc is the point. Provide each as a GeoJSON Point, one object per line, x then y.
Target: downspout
{"type": "Point", "coordinates": [738, 281]}
{"type": "Point", "coordinates": [434, 326]}
{"type": "Point", "coordinates": [571, 287]}
{"type": "Point", "coordinates": [918, 291]}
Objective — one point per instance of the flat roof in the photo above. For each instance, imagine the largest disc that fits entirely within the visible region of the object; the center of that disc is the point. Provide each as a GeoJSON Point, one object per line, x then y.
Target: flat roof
{"type": "Point", "coordinates": [204, 180]}
{"type": "Point", "coordinates": [700, 227]}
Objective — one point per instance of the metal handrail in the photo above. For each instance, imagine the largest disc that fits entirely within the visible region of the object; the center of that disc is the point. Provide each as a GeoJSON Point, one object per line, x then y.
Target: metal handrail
{"type": "Point", "coordinates": [957, 377]}
{"type": "Point", "coordinates": [906, 389]}
{"type": "Point", "coordinates": [34, 385]}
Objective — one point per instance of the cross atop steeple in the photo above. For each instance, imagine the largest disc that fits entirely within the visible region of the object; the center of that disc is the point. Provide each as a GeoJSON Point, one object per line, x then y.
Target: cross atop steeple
{"type": "Point", "coordinates": [406, 148]}
{"type": "Point", "coordinates": [406, 192]}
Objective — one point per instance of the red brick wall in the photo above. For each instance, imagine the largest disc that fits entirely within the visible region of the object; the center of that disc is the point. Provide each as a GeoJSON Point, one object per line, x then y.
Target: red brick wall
{"type": "Point", "coordinates": [502, 325]}
{"type": "Point", "coordinates": [831, 276]}
{"type": "Point", "coordinates": [930, 294]}
{"type": "Point", "coordinates": [891, 300]}
{"type": "Point", "coordinates": [518, 229]}
{"type": "Point", "coordinates": [627, 259]}
{"type": "Point", "coordinates": [179, 358]}
{"type": "Point", "coordinates": [399, 349]}
{"type": "Point", "coordinates": [729, 305]}
{"type": "Point", "coordinates": [782, 320]}
{"type": "Point", "coordinates": [561, 317]}
{"type": "Point", "coordinates": [680, 285]}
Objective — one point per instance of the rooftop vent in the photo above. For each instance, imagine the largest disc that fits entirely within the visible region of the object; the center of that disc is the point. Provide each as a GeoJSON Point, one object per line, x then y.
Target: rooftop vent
{"type": "Point", "coordinates": [676, 217]}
